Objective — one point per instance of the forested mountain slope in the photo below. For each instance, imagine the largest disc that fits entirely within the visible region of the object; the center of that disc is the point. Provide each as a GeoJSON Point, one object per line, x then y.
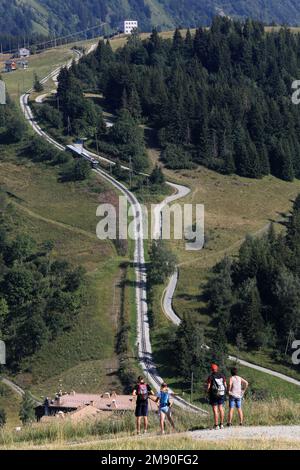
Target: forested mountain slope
{"type": "Point", "coordinates": [46, 16]}
{"type": "Point", "coordinates": [220, 98]}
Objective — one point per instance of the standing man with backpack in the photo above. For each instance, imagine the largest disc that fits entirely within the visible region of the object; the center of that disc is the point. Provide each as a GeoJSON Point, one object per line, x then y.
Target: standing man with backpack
{"type": "Point", "coordinates": [142, 391]}
{"type": "Point", "coordinates": [216, 389]}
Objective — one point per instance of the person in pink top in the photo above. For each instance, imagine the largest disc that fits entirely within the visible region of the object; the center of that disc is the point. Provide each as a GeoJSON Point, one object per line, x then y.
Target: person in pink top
{"type": "Point", "coordinates": [236, 389]}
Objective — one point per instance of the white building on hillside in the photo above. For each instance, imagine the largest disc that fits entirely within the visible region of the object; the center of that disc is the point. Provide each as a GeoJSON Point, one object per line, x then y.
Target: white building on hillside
{"type": "Point", "coordinates": [129, 26]}
{"type": "Point", "coordinates": [23, 52]}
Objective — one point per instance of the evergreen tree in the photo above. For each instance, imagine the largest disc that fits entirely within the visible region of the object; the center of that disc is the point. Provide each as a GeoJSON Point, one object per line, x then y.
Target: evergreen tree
{"type": "Point", "coordinates": [191, 353]}
{"type": "Point", "coordinates": [157, 177]}
{"type": "Point", "coordinates": [251, 323]}
{"type": "Point", "coordinates": [27, 414]}
{"type": "Point", "coordinates": [37, 85]}
{"type": "Point", "coordinates": [220, 293]}
{"type": "Point", "coordinates": [178, 41]}
{"type": "Point", "coordinates": [134, 105]}
{"type": "Point", "coordinates": [162, 263]}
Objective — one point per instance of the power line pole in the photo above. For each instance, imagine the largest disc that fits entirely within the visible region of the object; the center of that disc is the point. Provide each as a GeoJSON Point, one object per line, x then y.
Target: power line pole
{"type": "Point", "coordinates": [290, 336]}
{"type": "Point", "coordinates": [69, 125]}
{"type": "Point", "coordinates": [130, 171]}
{"type": "Point", "coordinates": [97, 144]}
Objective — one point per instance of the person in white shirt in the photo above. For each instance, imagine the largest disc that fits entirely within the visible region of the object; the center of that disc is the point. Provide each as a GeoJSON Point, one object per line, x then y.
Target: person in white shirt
{"type": "Point", "coordinates": [236, 390]}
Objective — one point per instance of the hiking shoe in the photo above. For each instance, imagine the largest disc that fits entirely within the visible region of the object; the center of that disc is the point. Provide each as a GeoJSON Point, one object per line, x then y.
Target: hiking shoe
{"type": "Point", "coordinates": [241, 424]}
{"type": "Point", "coordinates": [145, 432]}
{"type": "Point", "coordinates": [229, 425]}
{"type": "Point", "coordinates": [221, 426]}
{"type": "Point", "coordinates": [216, 427]}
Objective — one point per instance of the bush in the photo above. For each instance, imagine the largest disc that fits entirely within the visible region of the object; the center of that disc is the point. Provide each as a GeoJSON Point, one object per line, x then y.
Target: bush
{"type": "Point", "coordinates": [76, 170]}
{"type": "Point", "coordinates": [40, 151]}
{"type": "Point", "coordinates": [176, 158]}
{"type": "Point", "coordinates": [2, 418]}
{"type": "Point", "coordinates": [50, 114]}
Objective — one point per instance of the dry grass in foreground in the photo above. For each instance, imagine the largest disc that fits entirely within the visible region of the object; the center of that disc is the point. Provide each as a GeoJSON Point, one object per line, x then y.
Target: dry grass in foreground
{"type": "Point", "coordinates": [118, 432]}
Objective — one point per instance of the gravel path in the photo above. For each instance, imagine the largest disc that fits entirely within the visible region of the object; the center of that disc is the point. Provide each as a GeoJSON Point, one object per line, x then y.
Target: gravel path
{"type": "Point", "coordinates": [288, 433]}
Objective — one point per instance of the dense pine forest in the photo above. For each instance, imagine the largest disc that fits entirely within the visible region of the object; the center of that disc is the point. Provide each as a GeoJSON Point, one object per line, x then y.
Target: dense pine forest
{"type": "Point", "coordinates": [255, 299]}
{"type": "Point", "coordinates": [221, 98]}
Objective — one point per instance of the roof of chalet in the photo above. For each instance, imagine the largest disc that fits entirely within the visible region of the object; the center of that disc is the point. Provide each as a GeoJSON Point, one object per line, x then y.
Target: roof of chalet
{"type": "Point", "coordinates": [101, 402]}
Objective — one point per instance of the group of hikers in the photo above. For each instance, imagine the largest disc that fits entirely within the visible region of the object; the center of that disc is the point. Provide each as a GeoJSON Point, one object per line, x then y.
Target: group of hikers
{"type": "Point", "coordinates": [217, 390]}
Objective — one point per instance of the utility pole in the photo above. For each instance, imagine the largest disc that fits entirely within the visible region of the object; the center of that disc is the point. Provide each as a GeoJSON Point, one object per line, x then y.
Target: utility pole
{"type": "Point", "coordinates": [290, 336]}
{"type": "Point", "coordinates": [97, 145]}
{"type": "Point", "coordinates": [192, 386]}
{"type": "Point", "coordinates": [130, 171]}
{"type": "Point", "coordinates": [69, 125]}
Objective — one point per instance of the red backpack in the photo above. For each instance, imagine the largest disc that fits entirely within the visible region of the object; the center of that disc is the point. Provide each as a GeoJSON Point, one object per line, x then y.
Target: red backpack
{"type": "Point", "coordinates": [143, 391]}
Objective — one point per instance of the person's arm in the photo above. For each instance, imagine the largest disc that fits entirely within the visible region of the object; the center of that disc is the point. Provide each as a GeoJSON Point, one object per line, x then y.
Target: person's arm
{"type": "Point", "coordinates": [245, 385]}
{"type": "Point", "coordinates": [134, 393]}
{"type": "Point", "coordinates": [230, 385]}
{"type": "Point", "coordinates": [208, 384]}
{"type": "Point", "coordinates": [225, 383]}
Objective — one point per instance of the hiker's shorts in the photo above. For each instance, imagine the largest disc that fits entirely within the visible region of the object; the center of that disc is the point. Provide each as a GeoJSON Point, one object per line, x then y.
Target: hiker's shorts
{"type": "Point", "coordinates": [141, 409]}
{"type": "Point", "coordinates": [235, 402]}
{"type": "Point", "coordinates": [217, 401]}
{"type": "Point", "coordinates": [165, 410]}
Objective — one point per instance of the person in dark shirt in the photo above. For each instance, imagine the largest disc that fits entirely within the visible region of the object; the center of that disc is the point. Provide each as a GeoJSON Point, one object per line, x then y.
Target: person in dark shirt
{"type": "Point", "coordinates": [142, 391]}
{"type": "Point", "coordinates": [216, 389]}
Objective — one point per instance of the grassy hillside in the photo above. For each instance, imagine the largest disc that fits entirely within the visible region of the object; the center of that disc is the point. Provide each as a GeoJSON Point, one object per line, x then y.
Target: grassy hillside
{"type": "Point", "coordinates": [65, 213]}
{"type": "Point", "coordinates": [84, 358]}
{"type": "Point", "coordinates": [42, 64]}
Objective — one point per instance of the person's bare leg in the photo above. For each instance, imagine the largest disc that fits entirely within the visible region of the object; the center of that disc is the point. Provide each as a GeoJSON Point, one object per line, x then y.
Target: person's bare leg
{"type": "Point", "coordinates": [241, 415]}
{"type": "Point", "coordinates": [171, 421]}
{"type": "Point", "coordinates": [138, 424]}
{"type": "Point", "coordinates": [221, 410]}
{"type": "Point", "coordinates": [162, 423]}
{"type": "Point", "coordinates": [145, 423]}
{"type": "Point", "coordinates": [216, 415]}
{"type": "Point", "coordinates": [230, 415]}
